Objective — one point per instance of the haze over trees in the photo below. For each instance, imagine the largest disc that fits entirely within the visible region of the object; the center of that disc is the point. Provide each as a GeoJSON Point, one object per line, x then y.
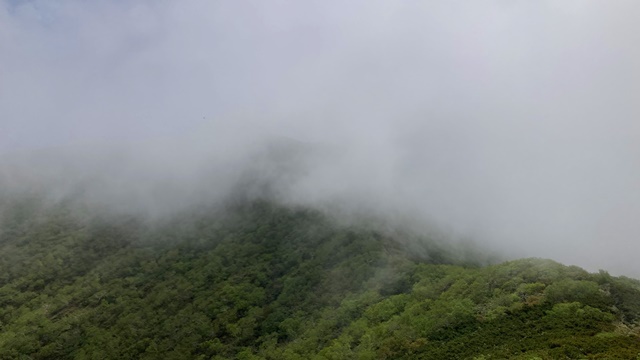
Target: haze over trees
{"type": "Point", "coordinates": [255, 279]}
{"type": "Point", "coordinates": [255, 275]}
{"type": "Point", "coordinates": [368, 179]}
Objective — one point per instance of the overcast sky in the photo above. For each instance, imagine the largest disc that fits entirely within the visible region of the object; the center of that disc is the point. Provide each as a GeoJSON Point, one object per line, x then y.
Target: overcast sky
{"type": "Point", "coordinates": [516, 123]}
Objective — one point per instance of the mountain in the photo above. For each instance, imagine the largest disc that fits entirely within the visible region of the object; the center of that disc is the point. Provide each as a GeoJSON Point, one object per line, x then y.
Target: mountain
{"type": "Point", "coordinates": [256, 279]}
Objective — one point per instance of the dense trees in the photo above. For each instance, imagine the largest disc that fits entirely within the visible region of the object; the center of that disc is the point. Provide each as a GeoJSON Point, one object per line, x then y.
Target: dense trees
{"type": "Point", "coordinates": [260, 281]}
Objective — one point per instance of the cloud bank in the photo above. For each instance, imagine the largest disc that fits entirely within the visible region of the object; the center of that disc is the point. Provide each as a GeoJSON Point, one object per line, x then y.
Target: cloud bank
{"type": "Point", "coordinates": [515, 123]}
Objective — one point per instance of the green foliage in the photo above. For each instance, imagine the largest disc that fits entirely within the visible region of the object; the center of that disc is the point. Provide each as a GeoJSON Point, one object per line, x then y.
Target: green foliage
{"type": "Point", "coordinates": [261, 281]}
{"type": "Point", "coordinates": [568, 290]}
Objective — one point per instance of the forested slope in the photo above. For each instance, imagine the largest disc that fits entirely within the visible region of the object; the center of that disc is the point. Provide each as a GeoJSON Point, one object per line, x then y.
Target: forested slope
{"type": "Point", "coordinates": [257, 280]}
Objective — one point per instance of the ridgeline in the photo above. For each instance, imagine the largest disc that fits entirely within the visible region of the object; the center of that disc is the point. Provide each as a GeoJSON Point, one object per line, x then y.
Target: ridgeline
{"type": "Point", "coordinates": [259, 280]}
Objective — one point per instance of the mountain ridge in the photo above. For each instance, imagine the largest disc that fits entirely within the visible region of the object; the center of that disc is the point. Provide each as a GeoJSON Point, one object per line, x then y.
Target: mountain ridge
{"type": "Point", "coordinates": [261, 280]}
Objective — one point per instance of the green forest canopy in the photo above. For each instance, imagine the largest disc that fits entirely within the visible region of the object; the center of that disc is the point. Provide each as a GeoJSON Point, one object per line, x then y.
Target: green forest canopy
{"type": "Point", "coordinates": [257, 280]}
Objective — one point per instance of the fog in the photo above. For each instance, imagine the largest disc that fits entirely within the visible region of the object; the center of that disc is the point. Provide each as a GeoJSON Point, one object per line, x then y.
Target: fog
{"type": "Point", "coordinates": [512, 123]}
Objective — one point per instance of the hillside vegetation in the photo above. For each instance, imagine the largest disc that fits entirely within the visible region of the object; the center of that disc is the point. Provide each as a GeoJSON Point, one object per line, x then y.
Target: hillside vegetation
{"type": "Point", "coordinates": [257, 280]}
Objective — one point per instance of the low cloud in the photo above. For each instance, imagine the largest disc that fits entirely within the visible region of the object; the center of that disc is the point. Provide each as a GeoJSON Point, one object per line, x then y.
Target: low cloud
{"type": "Point", "coordinates": [513, 123]}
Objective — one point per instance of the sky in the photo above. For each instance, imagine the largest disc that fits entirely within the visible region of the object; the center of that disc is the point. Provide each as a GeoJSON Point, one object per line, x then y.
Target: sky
{"type": "Point", "coordinates": [515, 123]}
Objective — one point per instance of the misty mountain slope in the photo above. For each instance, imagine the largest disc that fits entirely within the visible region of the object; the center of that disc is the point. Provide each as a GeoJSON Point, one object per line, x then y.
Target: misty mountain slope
{"type": "Point", "coordinates": [238, 180]}
{"type": "Point", "coordinates": [257, 280]}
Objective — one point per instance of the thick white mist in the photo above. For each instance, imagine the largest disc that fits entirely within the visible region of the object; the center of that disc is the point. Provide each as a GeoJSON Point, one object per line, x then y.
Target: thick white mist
{"type": "Point", "coordinates": [513, 123]}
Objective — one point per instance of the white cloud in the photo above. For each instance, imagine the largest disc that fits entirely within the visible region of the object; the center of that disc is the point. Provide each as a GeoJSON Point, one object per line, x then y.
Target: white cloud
{"type": "Point", "coordinates": [513, 121]}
